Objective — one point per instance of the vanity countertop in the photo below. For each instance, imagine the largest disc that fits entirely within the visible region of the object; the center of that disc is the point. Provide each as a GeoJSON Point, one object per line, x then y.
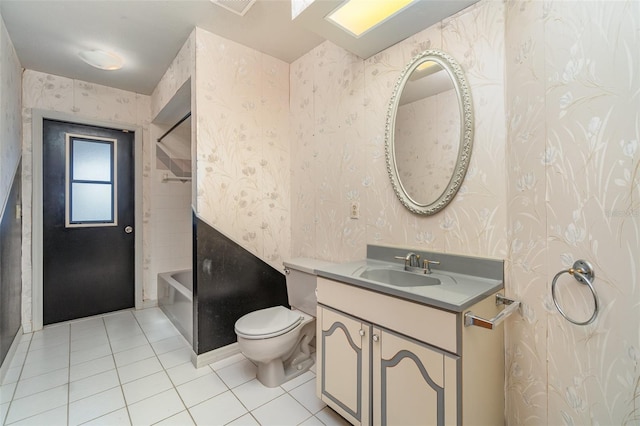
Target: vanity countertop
{"type": "Point", "coordinates": [457, 290]}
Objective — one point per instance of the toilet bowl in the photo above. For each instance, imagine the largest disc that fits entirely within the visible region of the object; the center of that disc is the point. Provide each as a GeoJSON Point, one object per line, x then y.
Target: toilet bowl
{"type": "Point", "coordinates": [277, 340]}
{"type": "Point", "coordinates": [280, 341]}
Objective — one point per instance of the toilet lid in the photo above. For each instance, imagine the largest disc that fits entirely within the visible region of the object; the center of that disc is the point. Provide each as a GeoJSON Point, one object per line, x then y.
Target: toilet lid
{"type": "Point", "coordinates": [269, 322]}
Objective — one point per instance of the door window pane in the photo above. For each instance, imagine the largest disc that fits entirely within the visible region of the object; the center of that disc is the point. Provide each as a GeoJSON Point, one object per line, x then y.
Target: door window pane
{"type": "Point", "coordinates": [91, 181]}
{"type": "Point", "coordinates": [91, 202]}
{"type": "Point", "coordinates": [91, 160]}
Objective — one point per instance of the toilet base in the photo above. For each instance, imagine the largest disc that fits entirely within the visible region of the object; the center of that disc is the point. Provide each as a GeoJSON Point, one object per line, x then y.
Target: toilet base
{"type": "Point", "coordinates": [290, 363]}
{"type": "Point", "coordinates": [274, 374]}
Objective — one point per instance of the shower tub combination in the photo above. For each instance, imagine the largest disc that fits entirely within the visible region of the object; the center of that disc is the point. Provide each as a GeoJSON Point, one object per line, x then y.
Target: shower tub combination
{"type": "Point", "coordinates": [175, 298]}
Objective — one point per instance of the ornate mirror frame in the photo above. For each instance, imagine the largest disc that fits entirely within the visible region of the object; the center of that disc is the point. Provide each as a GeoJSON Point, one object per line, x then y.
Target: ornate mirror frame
{"type": "Point", "coordinates": [466, 132]}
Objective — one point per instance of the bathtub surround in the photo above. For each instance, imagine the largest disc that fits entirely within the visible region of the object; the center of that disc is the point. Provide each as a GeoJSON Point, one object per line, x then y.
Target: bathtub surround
{"type": "Point", "coordinates": [228, 282]}
{"type": "Point", "coordinates": [10, 193]}
{"type": "Point", "coordinates": [175, 298]}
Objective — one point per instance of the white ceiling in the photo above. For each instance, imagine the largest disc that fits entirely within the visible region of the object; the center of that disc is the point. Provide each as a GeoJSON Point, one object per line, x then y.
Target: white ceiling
{"type": "Point", "coordinates": [48, 34]}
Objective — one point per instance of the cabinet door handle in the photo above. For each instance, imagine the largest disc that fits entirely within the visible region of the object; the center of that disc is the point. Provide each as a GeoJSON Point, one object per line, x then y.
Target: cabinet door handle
{"type": "Point", "coordinates": [361, 332]}
{"type": "Point", "coordinates": [375, 338]}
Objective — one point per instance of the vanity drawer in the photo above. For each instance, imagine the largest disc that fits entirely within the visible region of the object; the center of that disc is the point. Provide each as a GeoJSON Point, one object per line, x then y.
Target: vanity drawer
{"type": "Point", "coordinates": [433, 326]}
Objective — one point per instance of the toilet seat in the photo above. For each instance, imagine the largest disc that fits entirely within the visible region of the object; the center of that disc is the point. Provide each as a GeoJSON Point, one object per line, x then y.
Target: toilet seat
{"type": "Point", "coordinates": [266, 323]}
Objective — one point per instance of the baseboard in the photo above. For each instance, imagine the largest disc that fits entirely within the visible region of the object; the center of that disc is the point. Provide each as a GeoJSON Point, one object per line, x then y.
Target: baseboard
{"type": "Point", "coordinates": [27, 327]}
{"type": "Point", "coordinates": [214, 355]}
{"type": "Point", "coordinates": [149, 303]}
{"type": "Point", "coordinates": [10, 353]}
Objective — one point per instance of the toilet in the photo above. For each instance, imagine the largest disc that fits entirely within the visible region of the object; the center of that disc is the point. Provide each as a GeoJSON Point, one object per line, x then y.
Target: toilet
{"type": "Point", "coordinates": [280, 340]}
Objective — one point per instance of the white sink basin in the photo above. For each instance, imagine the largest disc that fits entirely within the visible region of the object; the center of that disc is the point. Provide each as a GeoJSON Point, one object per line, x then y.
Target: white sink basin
{"type": "Point", "coordinates": [398, 278]}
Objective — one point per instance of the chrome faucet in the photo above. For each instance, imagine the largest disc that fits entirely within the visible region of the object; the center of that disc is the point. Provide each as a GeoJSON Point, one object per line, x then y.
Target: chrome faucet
{"type": "Point", "coordinates": [410, 260]}
{"type": "Point", "coordinates": [412, 263]}
{"type": "Point", "coordinates": [426, 265]}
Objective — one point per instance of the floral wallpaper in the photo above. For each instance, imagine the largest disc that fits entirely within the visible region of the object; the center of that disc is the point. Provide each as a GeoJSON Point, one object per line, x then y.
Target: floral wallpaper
{"type": "Point", "coordinates": [526, 336]}
{"type": "Point", "coordinates": [338, 108]}
{"type": "Point", "coordinates": [10, 192]}
{"type": "Point", "coordinates": [178, 72]}
{"type": "Point", "coordinates": [328, 161]}
{"type": "Point", "coordinates": [243, 151]}
{"type": "Point", "coordinates": [283, 151]}
{"type": "Point", "coordinates": [82, 99]}
{"type": "Point", "coordinates": [574, 190]}
{"type": "Point", "coordinates": [10, 99]}
{"type": "Point", "coordinates": [554, 177]}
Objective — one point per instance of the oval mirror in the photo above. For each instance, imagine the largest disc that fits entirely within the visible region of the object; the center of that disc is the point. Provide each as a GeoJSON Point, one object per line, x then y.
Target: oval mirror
{"type": "Point", "coordinates": [429, 132]}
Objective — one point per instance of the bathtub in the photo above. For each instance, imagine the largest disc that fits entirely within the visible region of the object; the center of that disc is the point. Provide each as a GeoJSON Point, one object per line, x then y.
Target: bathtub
{"type": "Point", "coordinates": [175, 298]}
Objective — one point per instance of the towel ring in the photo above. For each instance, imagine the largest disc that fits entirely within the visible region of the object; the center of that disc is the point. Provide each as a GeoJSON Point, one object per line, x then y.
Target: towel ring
{"type": "Point", "coordinates": [582, 271]}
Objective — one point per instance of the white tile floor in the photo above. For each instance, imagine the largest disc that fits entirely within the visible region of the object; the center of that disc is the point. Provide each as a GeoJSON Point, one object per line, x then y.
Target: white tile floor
{"type": "Point", "coordinates": [134, 368]}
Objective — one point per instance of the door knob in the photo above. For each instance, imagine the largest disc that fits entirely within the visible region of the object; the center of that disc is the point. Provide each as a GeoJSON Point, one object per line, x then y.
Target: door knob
{"type": "Point", "coordinates": [128, 229]}
{"type": "Point", "coordinates": [376, 338]}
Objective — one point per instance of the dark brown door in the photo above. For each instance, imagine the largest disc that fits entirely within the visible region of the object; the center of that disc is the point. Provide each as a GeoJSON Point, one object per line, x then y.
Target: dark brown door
{"type": "Point", "coordinates": [88, 218]}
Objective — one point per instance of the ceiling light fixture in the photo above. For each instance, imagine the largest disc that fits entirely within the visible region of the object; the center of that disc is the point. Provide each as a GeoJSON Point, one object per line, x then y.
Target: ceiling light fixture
{"type": "Point", "coordinates": [102, 60]}
{"type": "Point", "coordinates": [359, 16]}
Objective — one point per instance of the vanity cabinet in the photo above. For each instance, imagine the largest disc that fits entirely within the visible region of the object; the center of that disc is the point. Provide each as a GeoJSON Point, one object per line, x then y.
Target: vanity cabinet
{"type": "Point", "coordinates": [344, 357]}
{"type": "Point", "coordinates": [413, 383]}
{"type": "Point", "coordinates": [383, 360]}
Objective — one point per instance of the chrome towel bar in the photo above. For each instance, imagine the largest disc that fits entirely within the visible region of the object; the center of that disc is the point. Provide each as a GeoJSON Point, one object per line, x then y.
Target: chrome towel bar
{"type": "Point", "coordinates": [512, 306]}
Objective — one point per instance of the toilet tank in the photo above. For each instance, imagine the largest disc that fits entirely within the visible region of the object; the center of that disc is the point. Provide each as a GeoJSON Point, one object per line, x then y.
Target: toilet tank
{"type": "Point", "coordinates": [301, 283]}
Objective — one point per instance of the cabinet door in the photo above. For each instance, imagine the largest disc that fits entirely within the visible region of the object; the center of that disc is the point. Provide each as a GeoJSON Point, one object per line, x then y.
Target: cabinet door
{"type": "Point", "coordinates": [344, 364]}
{"type": "Point", "coordinates": [414, 383]}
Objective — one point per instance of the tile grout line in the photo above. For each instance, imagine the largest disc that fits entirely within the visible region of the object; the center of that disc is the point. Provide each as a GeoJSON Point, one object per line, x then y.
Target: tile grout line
{"type": "Point", "coordinates": [115, 366]}
{"type": "Point", "coordinates": [13, 394]}
{"type": "Point", "coordinates": [96, 374]}
{"type": "Point", "coordinates": [168, 376]}
{"type": "Point", "coordinates": [24, 362]}
{"type": "Point", "coordinates": [164, 369]}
